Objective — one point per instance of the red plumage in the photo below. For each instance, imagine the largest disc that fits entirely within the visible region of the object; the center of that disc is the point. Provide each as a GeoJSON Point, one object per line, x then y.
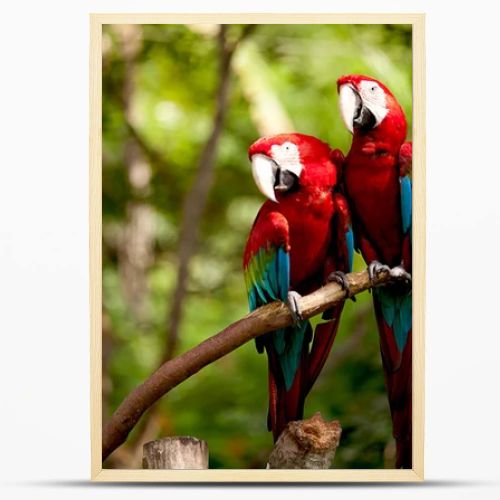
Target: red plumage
{"type": "Point", "coordinates": [378, 158]}
{"type": "Point", "coordinates": [303, 223]}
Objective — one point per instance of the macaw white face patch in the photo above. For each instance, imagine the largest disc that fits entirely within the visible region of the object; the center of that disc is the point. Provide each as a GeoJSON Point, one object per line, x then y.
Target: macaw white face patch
{"type": "Point", "coordinates": [373, 97]}
{"type": "Point", "coordinates": [287, 156]}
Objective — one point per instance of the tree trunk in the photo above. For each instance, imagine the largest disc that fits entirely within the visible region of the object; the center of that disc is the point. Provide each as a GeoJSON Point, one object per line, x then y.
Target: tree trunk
{"type": "Point", "coordinates": [175, 453]}
{"type": "Point", "coordinates": [306, 444]}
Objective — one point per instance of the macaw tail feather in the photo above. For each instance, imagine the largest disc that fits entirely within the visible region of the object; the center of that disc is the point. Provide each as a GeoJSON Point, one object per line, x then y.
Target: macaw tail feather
{"type": "Point", "coordinates": [393, 313]}
{"type": "Point", "coordinates": [324, 335]}
{"type": "Point", "coordinates": [286, 397]}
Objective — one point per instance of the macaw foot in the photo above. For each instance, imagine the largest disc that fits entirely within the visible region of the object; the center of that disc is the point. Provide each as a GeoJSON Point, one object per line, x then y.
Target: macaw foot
{"type": "Point", "coordinates": [400, 274]}
{"type": "Point", "coordinates": [292, 302]}
{"type": "Point", "coordinates": [340, 278]}
{"type": "Point", "coordinates": [402, 278]}
{"type": "Point", "coordinates": [375, 268]}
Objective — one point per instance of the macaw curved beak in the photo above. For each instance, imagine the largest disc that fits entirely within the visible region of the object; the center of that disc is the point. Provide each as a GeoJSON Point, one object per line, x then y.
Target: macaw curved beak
{"type": "Point", "coordinates": [355, 113]}
{"type": "Point", "coordinates": [270, 177]}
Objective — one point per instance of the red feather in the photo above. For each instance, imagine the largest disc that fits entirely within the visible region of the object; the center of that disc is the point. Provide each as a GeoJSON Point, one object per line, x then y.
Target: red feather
{"type": "Point", "coordinates": [301, 220]}
{"type": "Point", "coordinates": [372, 172]}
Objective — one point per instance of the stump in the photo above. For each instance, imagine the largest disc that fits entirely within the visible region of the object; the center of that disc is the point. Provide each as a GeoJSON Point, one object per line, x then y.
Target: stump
{"type": "Point", "coordinates": [306, 444]}
{"type": "Point", "coordinates": [181, 452]}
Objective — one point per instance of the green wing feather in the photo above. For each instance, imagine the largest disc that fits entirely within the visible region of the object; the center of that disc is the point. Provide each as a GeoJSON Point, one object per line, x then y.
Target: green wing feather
{"type": "Point", "coordinates": [267, 278]}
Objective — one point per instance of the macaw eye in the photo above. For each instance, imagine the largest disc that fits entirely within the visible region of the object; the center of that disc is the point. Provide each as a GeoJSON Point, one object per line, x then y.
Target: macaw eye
{"type": "Point", "coordinates": [373, 89]}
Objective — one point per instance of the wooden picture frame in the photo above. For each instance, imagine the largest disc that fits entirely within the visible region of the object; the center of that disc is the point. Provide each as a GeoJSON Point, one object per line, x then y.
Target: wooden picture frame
{"type": "Point", "coordinates": [334, 475]}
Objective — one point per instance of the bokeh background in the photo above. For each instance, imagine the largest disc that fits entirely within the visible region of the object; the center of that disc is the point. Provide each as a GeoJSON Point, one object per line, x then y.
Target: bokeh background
{"type": "Point", "coordinates": [181, 105]}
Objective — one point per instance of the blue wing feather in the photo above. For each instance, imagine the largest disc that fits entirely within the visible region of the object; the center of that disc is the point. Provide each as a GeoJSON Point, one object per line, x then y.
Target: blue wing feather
{"type": "Point", "coordinates": [283, 273]}
{"type": "Point", "coordinates": [396, 308]}
{"type": "Point", "coordinates": [397, 313]}
{"type": "Point", "coordinates": [406, 203]}
{"type": "Point", "coordinates": [268, 279]}
{"type": "Point", "coordinates": [349, 238]}
{"type": "Point", "coordinates": [268, 276]}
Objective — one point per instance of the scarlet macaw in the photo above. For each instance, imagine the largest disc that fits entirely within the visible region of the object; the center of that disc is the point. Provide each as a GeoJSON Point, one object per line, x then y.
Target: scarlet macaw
{"type": "Point", "coordinates": [378, 188]}
{"type": "Point", "coordinates": [301, 237]}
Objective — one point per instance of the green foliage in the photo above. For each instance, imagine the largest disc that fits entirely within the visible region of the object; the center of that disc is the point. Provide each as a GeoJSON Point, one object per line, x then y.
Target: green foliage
{"type": "Point", "coordinates": [175, 74]}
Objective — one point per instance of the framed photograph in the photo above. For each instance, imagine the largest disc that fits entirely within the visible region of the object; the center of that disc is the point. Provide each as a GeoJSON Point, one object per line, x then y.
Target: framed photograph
{"type": "Point", "coordinates": [257, 247]}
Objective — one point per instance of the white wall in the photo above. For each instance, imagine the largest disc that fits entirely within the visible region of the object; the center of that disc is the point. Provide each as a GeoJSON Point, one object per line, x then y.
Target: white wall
{"type": "Point", "coordinates": [44, 361]}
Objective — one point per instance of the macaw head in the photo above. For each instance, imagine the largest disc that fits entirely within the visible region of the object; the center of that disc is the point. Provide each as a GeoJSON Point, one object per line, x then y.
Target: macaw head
{"type": "Point", "coordinates": [284, 163]}
{"type": "Point", "coordinates": [366, 103]}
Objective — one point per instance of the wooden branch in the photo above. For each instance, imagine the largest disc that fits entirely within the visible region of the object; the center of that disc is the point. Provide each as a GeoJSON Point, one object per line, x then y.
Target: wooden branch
{"type": "Point", "coordinates": [264, 319]}
{"type": "Point", "coordinates": [306, 444]}
{"type": "Point", "coordinates": [182, 452]}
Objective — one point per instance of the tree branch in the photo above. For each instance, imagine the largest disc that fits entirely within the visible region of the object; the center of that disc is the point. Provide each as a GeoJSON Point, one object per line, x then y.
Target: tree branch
{"type": "Point", "coordinates": [195, 201]}
{"type": "Point", "coordinates": [153, 155]}
{"type": "Point", "coordinates": [264, 319]}
{"type": "Point", "coordinates": [247, 30]}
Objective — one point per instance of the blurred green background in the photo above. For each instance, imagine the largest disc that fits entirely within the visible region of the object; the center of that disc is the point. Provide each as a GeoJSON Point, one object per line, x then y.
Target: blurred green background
{"type": "Point", "coordinates": [160, 87]}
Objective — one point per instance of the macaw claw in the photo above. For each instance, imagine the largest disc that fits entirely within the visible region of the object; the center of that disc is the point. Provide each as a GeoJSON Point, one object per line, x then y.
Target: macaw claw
{"type": "Point", "coordinates": [399, 273]}
{"type": "Point", "coordinates": [341, 278]}
{"type": "Point", "coordinates": [292, 302]}
{"type": "Point", "coordinates": [374, 268]}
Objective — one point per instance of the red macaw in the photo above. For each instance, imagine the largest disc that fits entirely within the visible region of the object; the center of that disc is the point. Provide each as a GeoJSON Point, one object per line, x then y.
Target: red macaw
{"type": "Point", "coordinates": [301, 238]}
{"type": "Point", "coordinates": [377, 185]}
